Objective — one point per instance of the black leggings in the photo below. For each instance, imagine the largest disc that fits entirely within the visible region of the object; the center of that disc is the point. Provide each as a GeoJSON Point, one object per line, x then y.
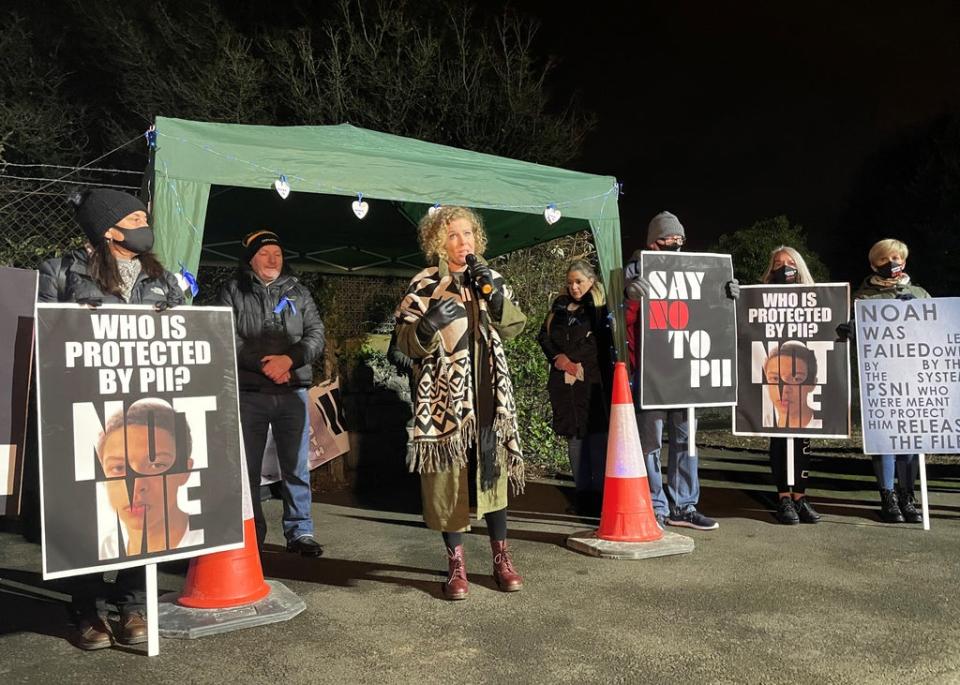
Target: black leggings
{"type": "Point", "coordinates": [801, 464]}
{"type": "Point", "coordinates": [496, 529]}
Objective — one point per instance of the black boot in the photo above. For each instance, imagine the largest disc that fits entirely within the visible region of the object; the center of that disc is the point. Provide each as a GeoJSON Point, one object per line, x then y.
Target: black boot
{"type": "Point", "coordinates": [787, 512]}
{"type": "Point", "coordinates": [805, 511]}
{"type": "Point", "coordinates": [890, 507]}
{"type": "Point", "coordinates": [908, 506]}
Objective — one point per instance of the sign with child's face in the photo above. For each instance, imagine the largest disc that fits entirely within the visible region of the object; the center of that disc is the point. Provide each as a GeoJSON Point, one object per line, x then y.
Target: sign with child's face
{"type": "Point", "coordinates": [139, 435]}
{"type": "Point", "coordinates": [793, 373]}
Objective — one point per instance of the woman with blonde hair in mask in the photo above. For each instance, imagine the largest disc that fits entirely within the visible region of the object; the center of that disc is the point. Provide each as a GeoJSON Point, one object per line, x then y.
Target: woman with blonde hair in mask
{"type": "Point", "coordinates": [889, 280]}
{"type": "Point", "coordinates": [787, 266]}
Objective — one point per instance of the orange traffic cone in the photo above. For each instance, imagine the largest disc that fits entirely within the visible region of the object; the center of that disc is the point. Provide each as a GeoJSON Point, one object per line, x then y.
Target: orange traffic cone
{"type": "Point", "coordinates": [231, 578]}
{"type": "Point", "coordinates": [226, 579]}
{"type": "Point", "coordinates": [627, 514]}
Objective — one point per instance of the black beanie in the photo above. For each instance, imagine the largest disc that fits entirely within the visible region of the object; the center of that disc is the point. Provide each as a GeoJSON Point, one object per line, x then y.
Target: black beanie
{"type": "Point", "coordinates": [100, 208]}
{"type": "Point", "coordinates": [254, 241]}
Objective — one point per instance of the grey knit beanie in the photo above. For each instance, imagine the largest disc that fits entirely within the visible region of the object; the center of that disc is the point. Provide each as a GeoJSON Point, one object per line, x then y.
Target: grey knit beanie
{"type": "Point", "coordinates": [662, 225]}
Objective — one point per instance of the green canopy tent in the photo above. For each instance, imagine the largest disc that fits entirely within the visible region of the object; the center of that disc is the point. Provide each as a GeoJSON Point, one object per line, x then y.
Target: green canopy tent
{"type": "Point", "coordinates": [213, 183]}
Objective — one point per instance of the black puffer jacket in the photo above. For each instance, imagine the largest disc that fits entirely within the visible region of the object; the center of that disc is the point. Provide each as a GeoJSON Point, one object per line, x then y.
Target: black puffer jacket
{"type": "Point", "coordinates": [65, 279]}
{"type": "Point", "coordinates": [583, 334]}
{"type": "Point", "coordinates": [260, 331]}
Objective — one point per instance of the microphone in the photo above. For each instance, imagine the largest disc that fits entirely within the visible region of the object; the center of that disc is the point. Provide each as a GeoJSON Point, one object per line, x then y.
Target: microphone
{"type": "Point", "coordinates": [483, 283]}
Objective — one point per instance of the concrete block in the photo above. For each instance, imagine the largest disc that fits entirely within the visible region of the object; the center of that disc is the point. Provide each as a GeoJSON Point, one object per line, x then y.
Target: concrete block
{"type": "Point", "coordinates": [587, 542]}
{"type": "Point", "coordinates": [185, 623]}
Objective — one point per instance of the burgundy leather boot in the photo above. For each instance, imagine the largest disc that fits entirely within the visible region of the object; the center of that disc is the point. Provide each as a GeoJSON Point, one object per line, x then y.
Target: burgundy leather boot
{"type": "Point", "coordinates": [456, 586]}
{"type": "Point", "coordinates": [508, 580]}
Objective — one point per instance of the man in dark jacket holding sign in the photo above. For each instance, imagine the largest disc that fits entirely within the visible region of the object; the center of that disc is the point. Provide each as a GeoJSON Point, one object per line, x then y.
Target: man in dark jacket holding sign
{"type": "Point", "coordinates": [279, 336]}
{"type": "Point", "coordinates": [678, 505]}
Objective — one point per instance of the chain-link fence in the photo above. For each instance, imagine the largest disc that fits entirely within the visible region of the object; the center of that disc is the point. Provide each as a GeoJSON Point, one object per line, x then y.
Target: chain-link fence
{"type": "Point", "coordinates": [35, 219]}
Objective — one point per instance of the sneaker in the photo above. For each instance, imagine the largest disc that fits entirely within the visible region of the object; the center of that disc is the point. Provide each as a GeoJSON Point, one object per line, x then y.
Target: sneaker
{"type": "Point", "coordinates": [661, 520]}
{"type": "Point", "coordinates": [805, 511]}
{"type": "Point", "coordinates": [692, 519]}
{"type": "Point", "coordinates": [306, 546]}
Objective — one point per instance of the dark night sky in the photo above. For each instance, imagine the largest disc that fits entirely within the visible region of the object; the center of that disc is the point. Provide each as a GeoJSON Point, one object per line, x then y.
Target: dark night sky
{"type": "Point", "coordinates": [725, 113]}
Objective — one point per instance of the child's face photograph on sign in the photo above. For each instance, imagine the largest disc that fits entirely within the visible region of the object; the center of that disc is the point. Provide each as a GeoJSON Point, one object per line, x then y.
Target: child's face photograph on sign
{"type": "Point", "coordinates": [145, 466]}
{"type": "Point", "coordinates": [790, 374]}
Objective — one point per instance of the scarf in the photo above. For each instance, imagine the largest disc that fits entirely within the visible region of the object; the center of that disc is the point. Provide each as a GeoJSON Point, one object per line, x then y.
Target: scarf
{"type": "Point", "coordinates": [445, 407]}
{"type": "Point", "coordinates": [887, 283]}
{"type": "Point", "coordinates": [129, 270]}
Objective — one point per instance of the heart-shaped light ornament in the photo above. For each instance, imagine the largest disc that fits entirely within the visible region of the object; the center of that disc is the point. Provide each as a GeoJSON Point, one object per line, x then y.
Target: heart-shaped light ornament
{"type": "Point", "coordinates": [433, 210]}
{"type": "Point", "coordinates": [360, 208]}
{"type": "Point", "coordinates": [551, 214]}
{"type": "Point", "coordinates": [283, 188]}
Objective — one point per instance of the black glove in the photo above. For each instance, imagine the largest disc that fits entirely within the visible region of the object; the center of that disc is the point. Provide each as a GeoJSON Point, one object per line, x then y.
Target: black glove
{"type": "Point", "coordinates": [440, 314]}
{"type": "Point", "coordinates": [482, 278]}
{"type": "Point", "coordinates": [733, 289]}
{"type": "Point", "coordinates": [637, 288]}
{"type": "Point", "coordinates": [481, 275]}
{"type": "Point", "coordinates": [92, 302]}
{"type": "Point", "coordinates": [163, 306]}
{"type": "Point", "coordinates": [847, 331]}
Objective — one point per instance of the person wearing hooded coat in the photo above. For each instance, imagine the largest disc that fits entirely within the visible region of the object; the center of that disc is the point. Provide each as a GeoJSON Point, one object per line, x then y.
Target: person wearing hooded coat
{"type": "Point", "coordinates": [279, 335]}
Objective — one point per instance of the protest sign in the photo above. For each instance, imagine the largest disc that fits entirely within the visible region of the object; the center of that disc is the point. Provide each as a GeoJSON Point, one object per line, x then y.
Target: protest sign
{"type": "Point", "coordinates": [18, 292]}
{"type": "Point", "coordinates": [909, 363]}
{"type": "Point", "coordinates": [328, 433]}
{"type": "Point", "coordinates": [329, 437]}
{"type": "Point", "coordinates": [139, 435]}
{"type": "Point", "coordinates": [793, 375]}
{"type": "Point", "coordinates": [689, 331]}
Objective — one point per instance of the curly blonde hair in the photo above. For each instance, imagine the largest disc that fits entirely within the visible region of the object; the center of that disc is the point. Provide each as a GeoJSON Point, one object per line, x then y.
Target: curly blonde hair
{"type": "Point", "coordinates": [432, 231]}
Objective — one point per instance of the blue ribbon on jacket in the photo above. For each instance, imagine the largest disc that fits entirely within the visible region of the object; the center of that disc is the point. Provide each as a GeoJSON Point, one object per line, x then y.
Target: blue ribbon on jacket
{"type": "Point", "coordinates": [190, 280]}
{"type": "Point", "coordinates": [283, 303]}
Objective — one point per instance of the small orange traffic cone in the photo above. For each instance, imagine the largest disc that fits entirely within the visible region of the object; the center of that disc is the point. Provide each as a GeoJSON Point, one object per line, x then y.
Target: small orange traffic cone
{"type": "Point", "coordinates": [627, 514]}
{"type": "Point", "coordinates": [226, 579]}
{"type": "Point", "coordinates": [230, 578]}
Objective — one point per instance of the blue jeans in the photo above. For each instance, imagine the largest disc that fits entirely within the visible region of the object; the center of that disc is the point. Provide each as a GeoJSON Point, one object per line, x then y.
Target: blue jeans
{"type": "Point", "coordinates": [683, 482]}
{"type": "Point", "coordinates": [906, 467]}
{"type": "Point", "coordinates": [286, 413]}
{"type": "Point", "coordinates": [588, 461]}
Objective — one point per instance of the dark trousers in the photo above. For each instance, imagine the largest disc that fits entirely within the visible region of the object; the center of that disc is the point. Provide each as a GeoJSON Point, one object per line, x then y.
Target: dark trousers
{"type": "Point", "coordinates": [801, 464]}
{"type": "Point", "coordinates": [285, 412]}
{"type": "Point", "coordinates": [91, 592]}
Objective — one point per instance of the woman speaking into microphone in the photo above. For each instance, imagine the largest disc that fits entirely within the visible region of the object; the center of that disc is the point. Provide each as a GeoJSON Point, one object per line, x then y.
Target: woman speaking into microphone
{"type": "Point", "coordinates": [452, 322]}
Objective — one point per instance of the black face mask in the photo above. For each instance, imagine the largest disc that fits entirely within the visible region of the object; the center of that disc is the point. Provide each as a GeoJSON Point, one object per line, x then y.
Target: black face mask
{"type": "Point", "coordinates": [137, 240]}
{"type": "Point", "coordinates": [785, 274]}
{"type": "Point", "coordinates": [890, 270]}
{"type": "Point", "coordinates": [675, 247]}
